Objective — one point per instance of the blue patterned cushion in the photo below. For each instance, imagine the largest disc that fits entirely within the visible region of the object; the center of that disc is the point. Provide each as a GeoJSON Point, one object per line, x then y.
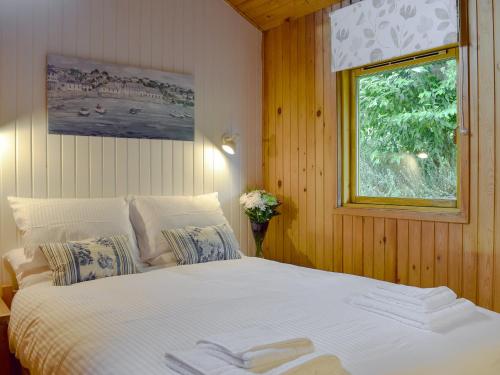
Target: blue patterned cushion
{"type": "Point", "coordinates": [199, 245]}
{"type": "Point", "coordinates": [77, 261]}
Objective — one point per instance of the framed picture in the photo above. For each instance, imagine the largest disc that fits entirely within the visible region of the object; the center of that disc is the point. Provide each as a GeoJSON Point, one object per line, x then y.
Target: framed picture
{"type": "Point", "coordinates": [91, 98]}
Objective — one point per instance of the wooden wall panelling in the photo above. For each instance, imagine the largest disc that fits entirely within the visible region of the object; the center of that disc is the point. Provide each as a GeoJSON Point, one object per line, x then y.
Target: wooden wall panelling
{"type": "Point", "coordinates": [302, 209]}
{"type": "Point", "coordinates": [470, 231]}
{"type": "Point", "coordinates": [172, 35]}
{"type": "Point", "coordinates": [293, 204]}
{"type": "Point", "coordinates": [329, 144]}
{"type": "Point", "coordinates": [402, 252]}
{"type": "Point", "coordinates": [367, 246]}
{"type": "Point", "coordinates": [496, 286]}
{"type": "Point", "coordinates": [486, 162]}
{"type": "Point", "coordinates": [422, 253]}
{"type": "Point", "coordinates": [285, 183]}
{"type": "Point", "coordinates": [414, 252]}
{"type": "Point", "coordinates": [379, 248]}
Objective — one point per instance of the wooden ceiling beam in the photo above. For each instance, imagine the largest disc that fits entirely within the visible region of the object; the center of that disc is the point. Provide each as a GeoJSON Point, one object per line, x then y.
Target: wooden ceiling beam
{"type": "Point", "coordinates": [267, 14]}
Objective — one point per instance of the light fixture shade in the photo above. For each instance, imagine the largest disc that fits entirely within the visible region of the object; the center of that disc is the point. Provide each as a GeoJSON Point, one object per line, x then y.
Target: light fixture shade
{"type": "Point", "coordinates": [229, 144]}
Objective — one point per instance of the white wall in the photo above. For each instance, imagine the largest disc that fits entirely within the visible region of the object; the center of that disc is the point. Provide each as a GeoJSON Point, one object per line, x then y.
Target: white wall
{"type": "Point", "coordinates": [203, 37]}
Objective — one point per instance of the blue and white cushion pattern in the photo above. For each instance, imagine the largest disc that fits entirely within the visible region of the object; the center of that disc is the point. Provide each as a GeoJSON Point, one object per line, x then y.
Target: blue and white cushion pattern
{"type": "Point", "coordinates": [76, 261]}
{"type": "Point", "coordinates": [200, 245]}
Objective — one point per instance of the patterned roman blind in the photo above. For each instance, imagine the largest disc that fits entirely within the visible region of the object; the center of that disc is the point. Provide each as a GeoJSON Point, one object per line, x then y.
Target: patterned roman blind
{"type": "Point", "coordinates": [370, 31]}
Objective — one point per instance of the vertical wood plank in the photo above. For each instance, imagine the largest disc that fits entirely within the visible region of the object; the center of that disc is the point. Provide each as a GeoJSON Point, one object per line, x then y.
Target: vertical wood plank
{"type": "Point", "coordinates": [277, 181]}
{"type": "Point", "coordinates": [8, 94]}
{"type": "Point", "coordinates": [337, 243]}
{"type": "Point", "coordinates": [441, 261]}
{"type": "Point", "coordinates": [122, 47]}
{"type": "Point", "coordinates": [82, 143]}
{"type": "Point", "coordinates": [368, 246]}
{"type": "Point", "coordinates": [69, 25]}
{"type": "Point", "coordinates": [379, 248]}
{"type": "Point", "coordinates": [294, 144]}
{"type": "Point", "coordinates": [303, 143]}
{"type": "Point", "coordinates": [455, 257]}
{"type": "Point", "coordinates": [319, 137]}
{"type": "Point", "coordinates": [24, 98]}
{"type": "Point", "coordinates": [329, 142]}
{"type": "Point", "coordinates": [39, 138]}
{"type": "Point", "coordinates": [427, 268]}
{"type": "Point", "coordinates": [390, 249]}
{"type": "Point", "coordinates": [134, 41]}
{"type": "Point", "coordinates": [109, 54]}
{"type": "Point", "coordinates": [311, 140]}
{"type": "Point", "coordinates": [357, 245]}
{"type": "Point", "coordinates": [96, 52]}
{"type": "Point", "coordinates": [286, 112]}
{"type": "Point", "coordinates": [486, 161]}
{"type": "Point", "coordinates": [496, 270]}
{"type": "Point", "coordinates": [347, 244]}
{"type": "Point", "coordinates": [414, 251]}
{"type": "Point", "coordinates": [469, 282]}
{"type": "Point", "coordinates": [402, 254]}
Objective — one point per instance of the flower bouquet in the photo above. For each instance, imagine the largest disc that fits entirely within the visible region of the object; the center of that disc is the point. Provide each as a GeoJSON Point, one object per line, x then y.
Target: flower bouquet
{"type": "Point", "coordinates": [260, 206]}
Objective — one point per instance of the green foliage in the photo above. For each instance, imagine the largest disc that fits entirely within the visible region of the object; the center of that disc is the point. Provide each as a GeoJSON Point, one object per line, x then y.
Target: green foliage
{"type": "Point", "coordinates": [403, 113]}
{"type": "Point", "coordinates": [260, 206]}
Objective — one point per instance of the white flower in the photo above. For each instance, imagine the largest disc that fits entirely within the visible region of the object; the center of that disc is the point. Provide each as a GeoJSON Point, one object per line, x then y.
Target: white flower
{"type": "Point", "coordinates": [252, 200]}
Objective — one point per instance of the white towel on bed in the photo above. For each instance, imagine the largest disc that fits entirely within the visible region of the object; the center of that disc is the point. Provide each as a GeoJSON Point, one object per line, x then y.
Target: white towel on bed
{"type": "Point", "coordinates": [256, 348]}
{"type": "Point", "coordinates": [443, 318]}
{"type": "Point", "coordinates": [198, 362]}
{"type": "Point", "coordinates": [421, 299]}
{"type": "Point", "coordinates": [314, 363]}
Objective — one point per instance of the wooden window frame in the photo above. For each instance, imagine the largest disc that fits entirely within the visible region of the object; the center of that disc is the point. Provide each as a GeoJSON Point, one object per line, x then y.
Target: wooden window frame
{"type": "Point", "coordinates": [403, 208]}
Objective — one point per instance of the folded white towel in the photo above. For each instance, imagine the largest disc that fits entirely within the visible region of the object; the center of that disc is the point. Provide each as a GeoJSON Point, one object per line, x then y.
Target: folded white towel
{"type": "Point", "coordinates": [443, 318]}
{"type": "Point", "coordinates": [422, 299]}
{"type": "Point", "coordinates": [314, 363]}
{"type": "Point", "coordinates": [256, 348]}
{"type": "Point", "coordinates": [198, 362]}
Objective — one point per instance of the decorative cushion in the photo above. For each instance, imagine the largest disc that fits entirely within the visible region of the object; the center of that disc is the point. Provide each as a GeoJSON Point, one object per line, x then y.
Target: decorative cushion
{"type": "Point", "coordinates": [151, 215]}
{"type": "Point", "coordinates": [200, 245]}
{"type": "Point", "coordinates": [77, 261]}
{"type": "Point", "coordinates": [62, 220]}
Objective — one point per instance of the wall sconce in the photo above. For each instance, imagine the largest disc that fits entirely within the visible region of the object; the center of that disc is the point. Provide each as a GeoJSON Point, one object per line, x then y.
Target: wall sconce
{"type": "Point", "coordinates": [229, 144]}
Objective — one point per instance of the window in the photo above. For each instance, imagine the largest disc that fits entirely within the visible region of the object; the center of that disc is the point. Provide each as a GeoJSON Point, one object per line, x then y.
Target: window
{"type": "Point", "coordinates": [400, 132]}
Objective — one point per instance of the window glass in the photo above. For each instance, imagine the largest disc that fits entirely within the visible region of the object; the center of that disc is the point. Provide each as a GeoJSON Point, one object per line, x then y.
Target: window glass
{"type": "Point", "coordinates": [405, 131]}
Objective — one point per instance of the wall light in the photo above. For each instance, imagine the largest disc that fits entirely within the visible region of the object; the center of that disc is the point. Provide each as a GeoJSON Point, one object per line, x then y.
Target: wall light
{"type": "Point", "coordinates": [422, 155]}
{"type": "Point", "coordinates": [229, 144]}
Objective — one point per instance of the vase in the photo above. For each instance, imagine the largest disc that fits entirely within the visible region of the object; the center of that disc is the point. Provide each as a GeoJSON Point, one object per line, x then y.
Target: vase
{"type": "Point", "coordinates": [259, 231]}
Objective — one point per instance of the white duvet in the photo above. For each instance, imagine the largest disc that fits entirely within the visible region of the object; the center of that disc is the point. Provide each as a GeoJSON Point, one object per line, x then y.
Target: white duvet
{"type": "Point", "coordinates": [124, 325]}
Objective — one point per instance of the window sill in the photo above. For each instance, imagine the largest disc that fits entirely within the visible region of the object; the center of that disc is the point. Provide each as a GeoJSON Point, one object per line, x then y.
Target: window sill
{"type": "Point", "coordinates": [448, 215]}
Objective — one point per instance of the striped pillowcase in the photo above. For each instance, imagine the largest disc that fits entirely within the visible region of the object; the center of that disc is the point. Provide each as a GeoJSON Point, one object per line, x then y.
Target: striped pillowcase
{"type": "Point", "coordinates": [76, 261]}
{"type": "Point", "coordinates": [200, 245]}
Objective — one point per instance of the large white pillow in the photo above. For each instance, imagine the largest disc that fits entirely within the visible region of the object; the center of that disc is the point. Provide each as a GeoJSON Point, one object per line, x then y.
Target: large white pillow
{"type": "Point", "coordinates": [25, 269]}
{"type": "Point", "coordinates": [151, 215]}
{"type": "Point", "coordinates": [63, 220]}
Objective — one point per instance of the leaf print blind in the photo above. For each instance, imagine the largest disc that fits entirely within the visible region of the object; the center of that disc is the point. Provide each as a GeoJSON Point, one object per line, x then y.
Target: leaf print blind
{"type": "Point", "coordinates": [375, 30]}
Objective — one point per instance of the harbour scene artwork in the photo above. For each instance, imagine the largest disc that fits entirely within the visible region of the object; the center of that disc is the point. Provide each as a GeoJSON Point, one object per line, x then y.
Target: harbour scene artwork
{"type": "Point", "coordinates": [91, 98]}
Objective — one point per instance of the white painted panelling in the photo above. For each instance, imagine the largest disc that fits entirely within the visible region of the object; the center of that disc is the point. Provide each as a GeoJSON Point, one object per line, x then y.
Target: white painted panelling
{"type": "Point", "coordinates": [202, 37]}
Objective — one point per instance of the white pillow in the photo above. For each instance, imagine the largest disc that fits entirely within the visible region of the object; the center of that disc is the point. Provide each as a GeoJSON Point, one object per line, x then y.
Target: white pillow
{"type": "Point", "coordinates": [25, 268]}
{"type": "Point", "coordinates": [63, 220]}
{"type": "Point", "coordinates": [151, 215]}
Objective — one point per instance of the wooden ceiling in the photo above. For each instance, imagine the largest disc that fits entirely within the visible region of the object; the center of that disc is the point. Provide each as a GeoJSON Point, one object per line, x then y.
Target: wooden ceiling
{"type": "Point", "coordinates": [266, 14]}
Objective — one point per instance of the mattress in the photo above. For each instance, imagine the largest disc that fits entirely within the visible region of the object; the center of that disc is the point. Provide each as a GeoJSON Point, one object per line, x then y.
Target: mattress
{"type": "Point", "coordinates": [124, 325]}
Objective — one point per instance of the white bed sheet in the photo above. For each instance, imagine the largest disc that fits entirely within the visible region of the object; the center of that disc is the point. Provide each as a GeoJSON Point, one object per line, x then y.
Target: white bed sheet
{"type": "Point", "coordinates": [124, 325]}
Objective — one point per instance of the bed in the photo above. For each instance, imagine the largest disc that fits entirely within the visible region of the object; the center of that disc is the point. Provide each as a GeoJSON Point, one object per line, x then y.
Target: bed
{"type": "Point", "coordinates": [126, 324]}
